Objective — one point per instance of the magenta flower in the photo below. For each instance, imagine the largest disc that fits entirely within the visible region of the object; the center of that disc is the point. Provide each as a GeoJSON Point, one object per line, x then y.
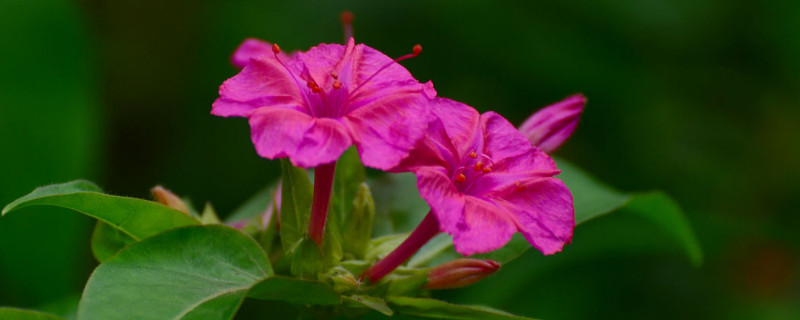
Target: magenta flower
{"type": "Point", "coordinates": [484, 181]}
{"type": "Point", "coordinates": [549, 127]}
{"type": "Point", "coordinates": [311, 106]}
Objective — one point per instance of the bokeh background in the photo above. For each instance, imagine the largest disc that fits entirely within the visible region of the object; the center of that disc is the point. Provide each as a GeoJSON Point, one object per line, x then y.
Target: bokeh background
{"type": "Point", "coordinates": [697, 98]}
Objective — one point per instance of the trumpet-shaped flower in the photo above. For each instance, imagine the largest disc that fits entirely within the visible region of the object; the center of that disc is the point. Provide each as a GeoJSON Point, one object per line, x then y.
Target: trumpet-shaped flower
{"type": "Point", "coordinates": [484, 182]}
{"type": "Point", "coordinates": [549, 127]}
{"type": "Point", "coordinates": [311, 106]}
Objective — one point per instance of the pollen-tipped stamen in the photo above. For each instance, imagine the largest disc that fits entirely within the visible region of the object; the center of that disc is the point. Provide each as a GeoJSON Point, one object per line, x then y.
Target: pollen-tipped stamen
{"type": "Point", "coordinates": [416, 51]}
{"type": "Point", "coordinates": [347, 18]}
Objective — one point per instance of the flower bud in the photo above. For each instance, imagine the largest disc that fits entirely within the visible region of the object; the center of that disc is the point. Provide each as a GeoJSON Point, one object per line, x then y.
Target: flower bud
{"type": "Point", "coordinates": [357, 230]}
{"type": "Point", "coordinates": [549, 127]}
{"type": "Point", "coordinates": [460, 273]}
{"type": "Point", "coordinates": [169, 199]}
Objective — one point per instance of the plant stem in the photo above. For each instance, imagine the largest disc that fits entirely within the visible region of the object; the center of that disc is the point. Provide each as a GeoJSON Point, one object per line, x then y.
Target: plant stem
{"type": "Point", "coordinates": [323, 183]}
{"type": "Point", "coordinates": [428, 228]}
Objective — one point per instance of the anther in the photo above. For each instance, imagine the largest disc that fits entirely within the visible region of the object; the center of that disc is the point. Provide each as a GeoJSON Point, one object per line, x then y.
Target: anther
{"type": "Point", "coordinates": [316, 89]}
{"type": "Point", "coordinates": [337, 84]}
{"type": "Point", "coordinates": [311, 84]}
{"type": "Point", "coordinates": [417, 49]}
{"type": "Point", "coordinates": [461, 178]}
{"type": "Point", "coordinates": [487, 170]}
{"type": "Point", "coordinates": [478, 165]}
{"type": "Point", "coordinates": [473, 155]}
{"type": "Point", "coordinates": [518, 186]}
{"type": "Point", "coordinates": [334, 75]}
{"type": "Point", "coordinates": [275, 48]}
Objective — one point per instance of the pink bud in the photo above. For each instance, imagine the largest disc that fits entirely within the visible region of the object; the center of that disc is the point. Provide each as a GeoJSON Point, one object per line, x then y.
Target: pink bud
{"type": "Point", "coordinates": [460, 273]}
{"type": "Point", "coordinates": [549, 127]}
{"type": "Point", "coordinates": [169, 199]}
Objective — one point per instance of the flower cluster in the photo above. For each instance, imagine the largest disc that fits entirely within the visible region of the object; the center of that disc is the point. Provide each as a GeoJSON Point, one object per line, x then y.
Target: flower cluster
{"type": "Point", "coordinates": [483, 178]}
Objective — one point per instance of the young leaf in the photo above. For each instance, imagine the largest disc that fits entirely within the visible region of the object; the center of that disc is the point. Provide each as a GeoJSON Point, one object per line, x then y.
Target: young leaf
{"type": "Point", "coordinates": [591, 198]}
{"type": "Point", "coordinates": [662, 210]}
{"type": "Point", "coordinates": [371, 302]}
{"type": "Point", "coordinates": [107, 241]}
{"type": "Point", "coordinates": [21, 314]}
{"type": "Point", "coordinates": [198, 272]}
{"type": "Point", "coordinates": [432, 308]}
{"type": "Point", "coordinates": [296, 196]}
{"type": "Point", "coordinates": [136, 217]}
{"type": "Point", "coordinates": [293, 290]}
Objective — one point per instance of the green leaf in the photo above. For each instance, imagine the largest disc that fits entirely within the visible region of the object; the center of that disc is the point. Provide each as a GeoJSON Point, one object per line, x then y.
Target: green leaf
{"type": "Point", "coordinates": [293, 290]}
{"type": "Point", "coordinates": [371, 302]}
{"type": "Point", "coordinates": [591, 198]}
{"type": "Point", "coordinates": [296, 197]}
{"type": "Point", "coordinates": [107, 241]}
{"type": "Point", "coordinates": [432, 308]}
{"type": "Point", "coordinates": [209, 215]}
{"type": "Point", "coordinates": [136, 217]}
{"type": "Point", "coordinates": [21, 314]}
{"type": "Point", "coordinates": [662, 210]}
{"type": "Point", "coordinates": [197, 272]}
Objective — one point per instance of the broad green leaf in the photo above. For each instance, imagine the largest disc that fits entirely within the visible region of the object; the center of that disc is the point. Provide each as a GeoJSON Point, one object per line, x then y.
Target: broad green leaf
{"type": "Point", "coordinates": [136, 217]}
{"type": "Point", "coordinates": [398, 205]}
{"type": "Point", "coordinates": [197, 272]}
{"type": "Point", "coordinates": [293, 290]}
{"type": "Point", "coordinates": [296, 197]}
{"type": "Point", "coordinates": [665, 213]}
{"type": "Point", "coordinates": [432, 308]}
{"type": "Point", "coordinates": [591, 198]}
{"type": "Point", "coordinates": [371, 302]}
{"type": "Point", "coordinates": [21, 314]}
{"type": "Point", "coordinates": [107, 241]}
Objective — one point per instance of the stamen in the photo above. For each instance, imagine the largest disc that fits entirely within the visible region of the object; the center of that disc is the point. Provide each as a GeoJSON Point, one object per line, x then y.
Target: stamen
{"type": "Point", "coordinates": [478, 166]}
{"type": "Point", "coordinates": [337, 84]}
{"type": "Point", "coordinates": [473, 155]}
{"type": "Point", "coordinates": [311, 84]}
{"type": "Point", "coordinates": [518, 186]}
{"type": "Point", "coordinates": [347, 24]}
{"type": "Point", "coordinates": [334, 75]}
{"type": "Point", "coordinates": [461, 178]}
{"type": "Point", "coordinates": [487, 170]}
{"type": "Point", "coordinates": [275, 48]}
{"type": "Point", "coordinates": [316, 89]}
{"type": "Point", "coordinates": [416, 50]}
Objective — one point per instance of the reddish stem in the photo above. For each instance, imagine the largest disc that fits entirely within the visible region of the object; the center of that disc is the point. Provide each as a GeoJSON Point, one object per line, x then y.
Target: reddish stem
{"type": "Point", "coordinates": [426, 230]}
{"type": "Point", "coordinates": [323, 183]}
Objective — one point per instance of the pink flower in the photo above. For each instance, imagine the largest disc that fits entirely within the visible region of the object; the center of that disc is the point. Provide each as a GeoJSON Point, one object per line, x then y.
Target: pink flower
{"type": "Point", "coordinates": [484, 182]}
{"type": "Point", "coordinates": [549, 127]}
{"type": "Point", "coordinates": [311, 106]}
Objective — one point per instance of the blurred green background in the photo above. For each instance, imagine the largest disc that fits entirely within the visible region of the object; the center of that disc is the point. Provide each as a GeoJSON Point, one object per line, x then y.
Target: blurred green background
{"type": "Point", "coordinates": [698, 98]}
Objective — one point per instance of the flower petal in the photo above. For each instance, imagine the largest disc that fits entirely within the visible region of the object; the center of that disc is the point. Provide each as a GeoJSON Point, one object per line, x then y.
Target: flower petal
{"type": "Point", "coordinates": [386, 130]}
{"type": "Point", "coordinates": [252, 48]}
{"type": "Point", "coordinates": [440, 193]}
{"type": "Point", "coordinates": [262, 83]}
{"type": "Point", "coordinates": [544, 211]}
{"type": "Point", "coordinates": [510, 149]}
{"type": "Point", "coordinates": [549, 127]}
{"type": "Point", "coordinates": [308, 142]}
{"type": "Point", "coordinates": [460, 121]}
{"type": "Point", "coordinates": [484, 227]}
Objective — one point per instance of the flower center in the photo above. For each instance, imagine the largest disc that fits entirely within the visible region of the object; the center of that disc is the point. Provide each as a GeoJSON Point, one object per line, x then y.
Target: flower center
{"type": "Point", "coordinates": [473, 167]}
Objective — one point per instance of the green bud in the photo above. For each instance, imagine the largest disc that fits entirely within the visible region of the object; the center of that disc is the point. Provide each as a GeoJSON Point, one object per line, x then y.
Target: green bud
{"type": "Point", "coordinates": [357, 230]}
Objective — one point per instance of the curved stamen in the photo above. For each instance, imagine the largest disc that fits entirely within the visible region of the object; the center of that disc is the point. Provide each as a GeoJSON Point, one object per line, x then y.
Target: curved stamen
{"type": "Point", "coordinates": [277, 49]}
{"type": "Point", "coordinates": [416, 51]}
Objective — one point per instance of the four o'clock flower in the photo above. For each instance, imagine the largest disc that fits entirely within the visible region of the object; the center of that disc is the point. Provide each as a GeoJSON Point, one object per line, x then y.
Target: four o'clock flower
{"type": "Point", "coordinates": [311, 106]}
{"type": "Point", "coordinates": [484, 181]}
{"type": "Point", "coordinates": [549, 127]}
